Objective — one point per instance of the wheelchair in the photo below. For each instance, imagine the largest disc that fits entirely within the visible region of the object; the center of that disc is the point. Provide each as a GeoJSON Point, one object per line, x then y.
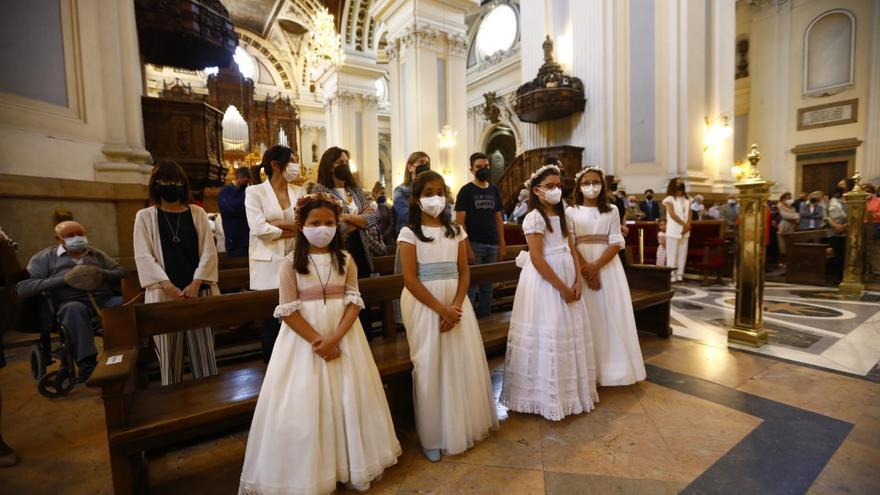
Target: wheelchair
{"type": "Point", "coordinates": [44, 353]}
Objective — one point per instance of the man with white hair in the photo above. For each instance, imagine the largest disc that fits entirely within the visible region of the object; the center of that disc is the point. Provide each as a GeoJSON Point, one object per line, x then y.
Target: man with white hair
{"type": "Point", "coordinates": [64, 270]}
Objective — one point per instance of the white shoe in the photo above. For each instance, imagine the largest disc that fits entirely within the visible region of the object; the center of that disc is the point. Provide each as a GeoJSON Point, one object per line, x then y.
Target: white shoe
{"type": "Point", "coordinates": [432, 455]}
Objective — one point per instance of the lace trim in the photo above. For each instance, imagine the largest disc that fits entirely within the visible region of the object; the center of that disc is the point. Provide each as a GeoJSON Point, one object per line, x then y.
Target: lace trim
{"type": "Point", "coordinates": [553, 413]}
{"type": "Point", "coordinates": [287, 309]}
{"type": "Point", "coordinates": [354, 297]}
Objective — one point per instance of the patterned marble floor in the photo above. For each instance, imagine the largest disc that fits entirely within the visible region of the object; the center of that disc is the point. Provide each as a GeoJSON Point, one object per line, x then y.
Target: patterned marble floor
{"type": "Point", "coordinates": [707, 420]}
{"type": "Point", "coordinates": [810, 325]}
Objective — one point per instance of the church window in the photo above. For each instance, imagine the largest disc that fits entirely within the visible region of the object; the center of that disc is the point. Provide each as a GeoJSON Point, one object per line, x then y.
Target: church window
{"type": "Point", "coordinates": [829, 46]}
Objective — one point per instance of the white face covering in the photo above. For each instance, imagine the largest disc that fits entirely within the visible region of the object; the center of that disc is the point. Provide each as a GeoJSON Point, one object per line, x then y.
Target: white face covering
{"type": "Point", "coordinates": [319, 236]}
{"type": "Point", "coordinates": [552, 197]}
{"type": "Point", "coordinates": [433, 205]}
{"type": "Point", "coordinates": [591, 191]}
{"type": "Point", "coordinates": [291, 172]}
{"type": "Point", "coordinates": [789, 202]}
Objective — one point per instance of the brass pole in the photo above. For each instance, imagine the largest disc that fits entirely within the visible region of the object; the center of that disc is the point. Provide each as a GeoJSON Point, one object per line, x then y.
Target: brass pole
{"type": "Point", "coordinates": [852, 286]}
{"type": "Point", "coordinates": [641, 246]}
{"type": "Point", "coordinates": [748, 324]}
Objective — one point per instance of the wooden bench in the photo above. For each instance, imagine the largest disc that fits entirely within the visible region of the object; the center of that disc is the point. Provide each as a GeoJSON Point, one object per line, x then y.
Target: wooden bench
{"type": "Point", "coordinates": [808, 257]}
{"type": "Point", "coordinates": [139, 419]}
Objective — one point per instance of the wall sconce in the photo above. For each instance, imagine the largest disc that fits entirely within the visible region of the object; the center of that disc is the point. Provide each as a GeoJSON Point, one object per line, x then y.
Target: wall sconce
{"type": "Point", "coordinates": [717, 131]}
{"type": "Point", "coordinates": [447, 137]}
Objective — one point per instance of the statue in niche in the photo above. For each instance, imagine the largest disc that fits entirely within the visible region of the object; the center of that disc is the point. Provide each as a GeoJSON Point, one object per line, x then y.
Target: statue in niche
{"type": "Point", "coordinates": [491, 112]}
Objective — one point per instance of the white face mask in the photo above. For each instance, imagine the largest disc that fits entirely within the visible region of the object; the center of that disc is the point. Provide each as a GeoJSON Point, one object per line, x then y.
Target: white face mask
{"type": "Point", "coordinates": [291, 172]}
{"type": "Point", "coordinates": [433, 205]}
{"type": "Point", "coordinates": [76, 243]}
{"type": "Point", "coordinates": [789, 202]}
{"type": "Point", "coordinates": [553, 196]}
{"type": "Point", "coordinates": [319, 236]}
{"type": "Point", "coordinates": [591, 191]}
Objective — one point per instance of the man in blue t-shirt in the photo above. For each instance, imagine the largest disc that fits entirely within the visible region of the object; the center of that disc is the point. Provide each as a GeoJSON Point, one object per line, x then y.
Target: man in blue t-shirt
{"type": "Point", "coordinates": [478, 209]}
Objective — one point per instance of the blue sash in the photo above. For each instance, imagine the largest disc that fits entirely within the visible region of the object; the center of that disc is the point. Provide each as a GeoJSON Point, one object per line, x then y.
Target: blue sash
{"type": "Point", "coordinates": [442, 270]}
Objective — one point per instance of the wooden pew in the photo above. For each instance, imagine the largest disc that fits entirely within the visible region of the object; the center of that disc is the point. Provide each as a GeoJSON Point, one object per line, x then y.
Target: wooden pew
{"type": "Point", "coordinates": [140, 418]}
{"type": "Point", "coordinates": [807, 258]}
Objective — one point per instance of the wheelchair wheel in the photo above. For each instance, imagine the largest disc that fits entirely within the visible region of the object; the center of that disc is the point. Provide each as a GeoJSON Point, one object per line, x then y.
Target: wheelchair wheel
{"type": "Point", "coordinates": [39, 361]}
{"type": "Point", "coordinates": [56, 384]}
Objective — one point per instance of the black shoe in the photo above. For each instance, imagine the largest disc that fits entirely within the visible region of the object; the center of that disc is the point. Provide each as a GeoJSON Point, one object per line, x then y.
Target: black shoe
{"type": "Point", "coordinates": [86, 367]}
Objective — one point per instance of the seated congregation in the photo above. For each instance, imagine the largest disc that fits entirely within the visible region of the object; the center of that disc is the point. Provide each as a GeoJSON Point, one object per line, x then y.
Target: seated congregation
{"type": "Point", "coordinates": [563, 309]}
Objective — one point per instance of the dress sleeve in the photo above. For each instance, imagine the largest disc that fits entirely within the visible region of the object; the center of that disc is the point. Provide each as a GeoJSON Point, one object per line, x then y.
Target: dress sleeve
{"type": "Point", "coordinates": [408, 236]}
{"type": "Point", "coordinates": [352, 291]}
{"type": "Point", "coordinates": [615, 236]}
{"type": "Point", "coordinates": [288, 295]}
{"type": "Point", "coordinates": [534, 223]}
{"type": "Point", "coordinates": [462, 235]}
{"type": "Point", "coordinates": [668, 200]}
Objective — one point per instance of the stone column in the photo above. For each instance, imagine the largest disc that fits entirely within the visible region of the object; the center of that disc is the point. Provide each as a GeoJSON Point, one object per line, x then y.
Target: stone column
{"type": "Point", "coordinates": [350, 109]}
{"type": "Point", "coordinates": [722, 67]}
{"type": "Point", "coordinates": [427, 48]}
{"type": "Point", "coordinates": [748, 324]}
{"type": "Point", "coordinates": [852, 286]}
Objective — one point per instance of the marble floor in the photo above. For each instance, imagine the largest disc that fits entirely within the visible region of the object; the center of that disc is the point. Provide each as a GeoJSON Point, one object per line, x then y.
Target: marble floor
{"type": "Point", "coordinates": [809, 325]}
{"type": "Point", "coordinates": [707, 420]}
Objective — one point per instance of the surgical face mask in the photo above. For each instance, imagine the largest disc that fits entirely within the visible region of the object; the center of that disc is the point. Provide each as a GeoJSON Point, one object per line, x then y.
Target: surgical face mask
{"type": "Point", "coordinates": [789, 202]}
{"type": "Point", "coordinates": [424, 167]}
{"type": "Point", "coordinates": [342, 172]}
{"type": "Point", "coordinates": [291, 172]}
{"type": "Point", "coordinates": [319, 236]}
{"type": "Point", "coordinates": [76, 243]}
{"type": "Point", "coordinates": [381, 199]}
{"type": "Point", "coordinates": [553, 196]}
{"type": "Point", "coordinates": [649, 197]}
{"type": "Point", "coordinates": [483, 174]}
{"type": "Point", "coordinates": [433, 205]}
{"type": "Point", "coordinates": [591, 191]}
{"type": "Point", "coordinates": [171, 193]}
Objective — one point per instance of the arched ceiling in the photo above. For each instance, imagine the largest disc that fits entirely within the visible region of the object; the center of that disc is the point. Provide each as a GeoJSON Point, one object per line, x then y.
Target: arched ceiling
{"type": "Point", "coordinates": [259, 15]}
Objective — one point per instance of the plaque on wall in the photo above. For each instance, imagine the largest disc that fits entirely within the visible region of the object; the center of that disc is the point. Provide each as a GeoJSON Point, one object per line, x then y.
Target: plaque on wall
{"type": "Point", "coordinates": [837, 113]}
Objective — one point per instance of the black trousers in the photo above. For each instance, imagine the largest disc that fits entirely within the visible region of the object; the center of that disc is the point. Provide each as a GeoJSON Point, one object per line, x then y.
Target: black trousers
{"type": "Point", "coordinates": [355, 246]}
{"type": "Point", "coordinates": [838, 244]}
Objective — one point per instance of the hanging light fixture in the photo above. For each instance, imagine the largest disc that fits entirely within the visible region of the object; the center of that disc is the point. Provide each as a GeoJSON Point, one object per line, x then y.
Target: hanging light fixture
{"type": "Point", "coordinates": [447, 137]}
{"type": "Point", "coordinates": [325, 44]}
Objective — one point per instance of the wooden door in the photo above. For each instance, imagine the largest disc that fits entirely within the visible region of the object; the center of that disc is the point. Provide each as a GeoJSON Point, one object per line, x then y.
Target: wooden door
{"type": "Point", "coordinates": [822, 176]}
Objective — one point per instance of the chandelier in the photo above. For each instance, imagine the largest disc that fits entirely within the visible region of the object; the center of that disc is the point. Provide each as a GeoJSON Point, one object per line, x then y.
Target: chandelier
{"type": "Point", "coordinates": [447, 137]}
{"type": "Point", "coordinates": [325, 44]}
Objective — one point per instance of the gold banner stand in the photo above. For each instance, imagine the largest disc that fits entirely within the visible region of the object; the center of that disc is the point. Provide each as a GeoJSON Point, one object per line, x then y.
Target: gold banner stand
{"type": "Point", "coordinates": [852, 286]}
{"type": "Point", "coordinates": [748, 324]}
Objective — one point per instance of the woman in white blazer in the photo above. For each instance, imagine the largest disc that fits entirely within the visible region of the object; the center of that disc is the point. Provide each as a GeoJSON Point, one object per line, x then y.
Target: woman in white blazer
{"type": "Point", "coordinates": [176, 259]}
{"type": "Point", "coordinates": [269, 207]}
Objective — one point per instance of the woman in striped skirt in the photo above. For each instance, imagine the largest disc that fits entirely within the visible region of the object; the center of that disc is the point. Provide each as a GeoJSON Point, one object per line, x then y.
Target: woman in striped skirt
{"type": "Point", "coordinates": [176, 259]}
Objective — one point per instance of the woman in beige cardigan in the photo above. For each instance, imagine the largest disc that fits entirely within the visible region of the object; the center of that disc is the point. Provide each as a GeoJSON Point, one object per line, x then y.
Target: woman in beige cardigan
{"type": "Point", "coordinates": [176, 259]}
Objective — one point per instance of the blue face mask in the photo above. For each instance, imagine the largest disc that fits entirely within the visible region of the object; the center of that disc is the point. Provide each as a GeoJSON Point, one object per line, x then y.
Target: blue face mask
{"type": "Point", "coordinates": [76, 244]}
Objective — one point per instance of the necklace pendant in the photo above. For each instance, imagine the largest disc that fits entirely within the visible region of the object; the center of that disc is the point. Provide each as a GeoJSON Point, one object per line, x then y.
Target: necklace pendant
{"type": "Point", "coordinates": [175, 240]}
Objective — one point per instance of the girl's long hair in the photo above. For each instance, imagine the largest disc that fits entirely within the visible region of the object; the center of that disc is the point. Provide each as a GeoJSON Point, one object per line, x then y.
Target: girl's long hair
{"type": "Point", "coordinates": [674, 184]}
{"type": "Point", "coordinates": [602, 201]}
{"type": "Point", "coordinates": [535, 201]}
{"type": "Point", "coordinates": [304, 206]}
{"type": "Point", "coordinates": [415, 207]}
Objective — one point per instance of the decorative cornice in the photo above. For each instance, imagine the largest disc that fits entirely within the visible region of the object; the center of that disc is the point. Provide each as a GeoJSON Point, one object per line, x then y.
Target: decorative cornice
{"type": "Point", "coordinates": [426, 36]}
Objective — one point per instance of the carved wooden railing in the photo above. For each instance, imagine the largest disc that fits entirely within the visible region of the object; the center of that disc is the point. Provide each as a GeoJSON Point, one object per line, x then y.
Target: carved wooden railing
{"type": "Point", "coordinates": [524, 165]}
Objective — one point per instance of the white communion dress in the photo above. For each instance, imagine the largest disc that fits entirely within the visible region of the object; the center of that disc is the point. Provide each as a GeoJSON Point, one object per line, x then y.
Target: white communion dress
{"type": "Point", "coordinates": [549, 368]}
{"type": "Point", "coordinates": [615, 340]}
{"type": "Point", "coordinates": [318, 422]}
{"type": "Point", "coordinates": [452, 390]}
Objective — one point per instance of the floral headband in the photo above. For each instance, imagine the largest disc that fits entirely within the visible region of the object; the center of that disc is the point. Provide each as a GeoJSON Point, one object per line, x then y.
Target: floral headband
{"type": "Point", "coordinates": [539, 172]}
{"type": "Point", "coordinates": [588, 168]}
{"type": "Point", "coordinates": [313, 198]}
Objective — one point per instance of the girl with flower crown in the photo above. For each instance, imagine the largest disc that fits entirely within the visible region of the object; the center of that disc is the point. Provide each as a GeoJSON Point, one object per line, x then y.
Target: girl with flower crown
{"type": "Point", "coordinates": [452, 390]}
{"type": "Point", "coordinates": [322, 416]}
{"type": "Point", "coordinates": [596, 230]}
{"type": "Point", "coordinates": [549, 368]}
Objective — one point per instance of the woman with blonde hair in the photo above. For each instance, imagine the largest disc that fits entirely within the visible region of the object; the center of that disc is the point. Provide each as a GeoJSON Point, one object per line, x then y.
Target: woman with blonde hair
{"type": "Point", "coordinates": [418, 162]}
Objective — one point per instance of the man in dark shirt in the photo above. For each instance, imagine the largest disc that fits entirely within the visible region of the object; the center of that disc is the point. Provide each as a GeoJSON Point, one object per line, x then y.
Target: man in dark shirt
{"type": "Point", "coordinates": [75, 310]}
{"type": "Point", "coordinates": [478, 209]}
{"type": "Point", "coordinates": [231, 203]}
{"type": "Point", "coordinates": [649, 207]}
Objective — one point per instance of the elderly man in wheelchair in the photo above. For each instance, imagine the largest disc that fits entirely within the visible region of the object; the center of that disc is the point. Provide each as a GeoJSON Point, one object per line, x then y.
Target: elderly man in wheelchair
{"type": "Point", "coordinates": [79, 281]}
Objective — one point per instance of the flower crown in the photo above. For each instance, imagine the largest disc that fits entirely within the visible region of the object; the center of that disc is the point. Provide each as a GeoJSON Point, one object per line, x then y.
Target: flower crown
{"type": "Point", "coordinates": [313, 198]}
{"type": "Point", "coordinates": [588, 168]}
{"type": "Point", "coordinates": [554, 168]}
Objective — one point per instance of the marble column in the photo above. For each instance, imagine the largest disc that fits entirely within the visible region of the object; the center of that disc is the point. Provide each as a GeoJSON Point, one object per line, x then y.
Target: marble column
{"type": "Point", "coordinates": [722, 65]}
{"type": "Point", "coordinates": [350, 108]}
{"type": "Point", "coordinates": [427, 49]}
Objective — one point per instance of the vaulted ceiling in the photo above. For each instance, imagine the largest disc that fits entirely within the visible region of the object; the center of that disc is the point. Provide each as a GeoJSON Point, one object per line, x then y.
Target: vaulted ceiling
{"type": "Point", "coordinates": [258, 15]}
